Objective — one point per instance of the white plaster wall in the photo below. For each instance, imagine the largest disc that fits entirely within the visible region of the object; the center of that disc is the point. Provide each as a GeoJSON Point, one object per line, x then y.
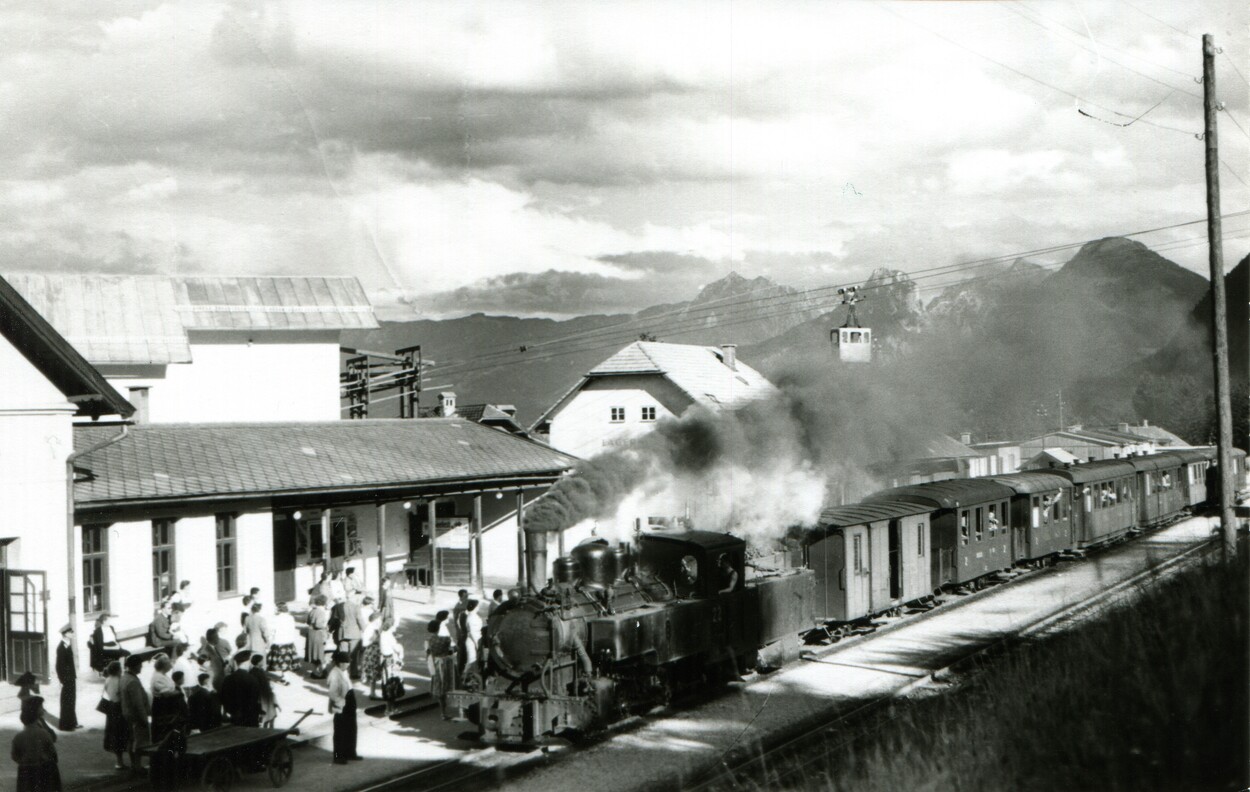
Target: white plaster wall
{"type": "Point", "coordinates": [584, 427]}
{"type": "Point", "coordinates": [276, 378]}
{"type": "Point", "coordinates": [255, 549]}
{"type": "Point", "coordinates": [195, 559]}
{"type": "Point", "coordinates": [35, 442]}
{"type": "Point", "coordinates": [130, 573]}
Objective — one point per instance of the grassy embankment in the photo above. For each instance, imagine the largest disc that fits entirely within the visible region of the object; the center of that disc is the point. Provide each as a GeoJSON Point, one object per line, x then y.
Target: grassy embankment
{"type": "Point", "coordinates": [1149, 697]}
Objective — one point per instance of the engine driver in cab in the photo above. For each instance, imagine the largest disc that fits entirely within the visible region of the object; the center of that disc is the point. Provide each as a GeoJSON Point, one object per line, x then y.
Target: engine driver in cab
{"type": "Point", "coordinates": [728, 575]}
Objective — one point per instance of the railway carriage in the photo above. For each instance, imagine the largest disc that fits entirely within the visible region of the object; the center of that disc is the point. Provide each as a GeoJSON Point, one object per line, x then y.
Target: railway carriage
{"type": "Point", "coordinates": [1195, 463]}
{"type": "Point", "coordinates": [1041, 514]}
{"type": "Point", "coordinates": [869, 558]}
{"type": "Point", "coordinates": [1102, 500]}
{"type": "Point", "coordinates": [969, 527]}
{"type": "Point", "coordinates": [1159, 493]}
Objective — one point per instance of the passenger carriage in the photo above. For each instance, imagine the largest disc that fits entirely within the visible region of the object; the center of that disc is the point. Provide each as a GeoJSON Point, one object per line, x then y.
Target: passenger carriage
{"type": "Point", "coordinates": [1103, 505]}
{"type": "Point", "coordinates": [969, 527]}
{"type": "Point", "coordinates": [1160, 495]}
{"type": "Point", "coordinates": [869, 558]}
{"type": "Point", "coordinates": [1195, 463]}
{"type": "Point", "coordinates": [1041, 514]}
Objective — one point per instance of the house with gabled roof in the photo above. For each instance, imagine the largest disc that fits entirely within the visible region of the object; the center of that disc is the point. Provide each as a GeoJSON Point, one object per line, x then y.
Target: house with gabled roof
{"type": "Point", "coordinates": [1089, 444]}
{"type": "Point", "coordinates": [624, 396]}
{"type": "Point", "coordinates": [47, 385]}
{"type": "Point", "coordinates": [209, 348]}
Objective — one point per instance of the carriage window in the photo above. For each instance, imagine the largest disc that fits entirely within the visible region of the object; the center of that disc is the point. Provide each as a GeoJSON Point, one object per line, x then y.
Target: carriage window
{"type": "Point", "coordinates": [963, 527]}
{"type": "Point", "coordinates": [979, 525]}
{"type": "Point", "coordinates": [1149, 481]}
{"type": "Point", "coordinates": [920, 539]}
{"type": "Point", "coordinates": [1036, 509]}
{"type": "Point", "coordinates": [992, 519]}
{"type": "Point", "coordinates": [689, 570]}
{"type": "Point", "coordinates": [859, 557]}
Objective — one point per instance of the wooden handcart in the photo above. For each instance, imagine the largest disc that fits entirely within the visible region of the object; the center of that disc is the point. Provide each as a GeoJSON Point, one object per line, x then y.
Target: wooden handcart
{"type": "Point", "coordinates": [220, 757]}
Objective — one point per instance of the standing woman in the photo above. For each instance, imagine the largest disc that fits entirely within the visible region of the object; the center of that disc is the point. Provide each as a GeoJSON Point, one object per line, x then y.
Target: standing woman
{"type": "Point", "coordinates": [257, 628]}
{"type": "Point", "coordinates": [34, 751]}
{"type": "Point", "coordinates": [282, 653]}
{"type": "Point", "coordinates": [442, 660]}
{"type": "Point", "coordinates": [371, 655]}
{"type": "Point", "coordinates": [391, 664]}
{"type": "Point", "coordinates": [116, 733]}
{"type": "Point", "coordinates": [318, 632]}
{"type": "Point", "coordinates": [343, 708]}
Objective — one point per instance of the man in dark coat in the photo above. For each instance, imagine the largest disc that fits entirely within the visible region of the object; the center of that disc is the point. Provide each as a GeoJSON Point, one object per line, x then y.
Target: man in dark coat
{"type": "Point", "coordinates": [160, 632]}
{"type": "Point", "coordinates": [67, 675]}
{"type": "Point", "coordinates": [203, 706]}
{"type": "Point", "coordinates": [240, 693]}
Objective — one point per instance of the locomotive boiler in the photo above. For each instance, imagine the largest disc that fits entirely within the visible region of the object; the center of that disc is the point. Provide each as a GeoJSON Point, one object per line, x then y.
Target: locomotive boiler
{"type": "Point", "coordinates": [615, 633]}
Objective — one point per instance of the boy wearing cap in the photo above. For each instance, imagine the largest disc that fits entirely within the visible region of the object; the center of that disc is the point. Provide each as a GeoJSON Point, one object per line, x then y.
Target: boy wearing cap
{"type": "Point", "coordinates": [67, 675]}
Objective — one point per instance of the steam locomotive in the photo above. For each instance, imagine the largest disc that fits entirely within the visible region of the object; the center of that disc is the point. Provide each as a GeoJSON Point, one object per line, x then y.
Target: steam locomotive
{"type": "Point", "coordinates": [614, 633]}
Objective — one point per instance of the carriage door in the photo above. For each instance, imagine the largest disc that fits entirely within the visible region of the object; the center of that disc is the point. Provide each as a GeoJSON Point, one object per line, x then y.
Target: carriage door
{"type": "Point", "coordinates": [25, 624]}
{"type": "Point", "coordinates": [896, 559]}
{"type": "Point", "coordinates": [858, 581]}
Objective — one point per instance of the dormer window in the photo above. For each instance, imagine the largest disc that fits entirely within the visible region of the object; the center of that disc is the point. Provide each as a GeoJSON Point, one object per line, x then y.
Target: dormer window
{"type": "Point", "coordinates": [618, 414]}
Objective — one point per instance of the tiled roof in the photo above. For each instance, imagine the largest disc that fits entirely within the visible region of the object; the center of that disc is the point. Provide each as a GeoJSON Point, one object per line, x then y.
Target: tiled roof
{"type": "Point", "coordinates": [37, 340]}
{"type": "Point", "coordinates": [699, 371]}
{"type": "Point", "coordinates": [1157, 434]}
{"type": "Point", "coordinates": [132, 319]}
{"type": "Point", "coordinates": [160, 462]}
{"type": "Point", "coordinates": [303, 303]}
{"type": "Point", "coordinates": [110, 318]}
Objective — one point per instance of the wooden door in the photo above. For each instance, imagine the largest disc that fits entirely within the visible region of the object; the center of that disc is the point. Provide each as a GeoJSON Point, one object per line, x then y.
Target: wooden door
{"type": "Point", "coordinates": [858, 577]}
{"type": "Point", "coordinates": [25, 623]}
{"type": "Point", "coordinates": [284, 560]}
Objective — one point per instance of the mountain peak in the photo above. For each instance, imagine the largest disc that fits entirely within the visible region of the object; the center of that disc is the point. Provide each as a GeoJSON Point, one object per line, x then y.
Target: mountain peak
{"type": "Point", "coordinates": [733, 285]}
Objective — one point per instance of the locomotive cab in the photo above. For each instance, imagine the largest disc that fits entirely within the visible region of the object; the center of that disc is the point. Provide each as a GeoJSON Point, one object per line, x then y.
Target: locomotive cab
{"type": "Point", "coordinates": [690, 562]}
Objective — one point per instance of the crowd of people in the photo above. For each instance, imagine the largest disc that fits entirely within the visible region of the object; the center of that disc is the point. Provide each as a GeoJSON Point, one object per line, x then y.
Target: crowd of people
{"type": "Point", "coordinates": [229, 674]}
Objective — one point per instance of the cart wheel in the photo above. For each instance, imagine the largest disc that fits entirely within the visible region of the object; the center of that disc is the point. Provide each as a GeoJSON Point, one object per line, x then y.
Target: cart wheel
{"type": "Point", "coordinates": [281, 764]}
{"type": "Point", "coordinates": [218, 775]}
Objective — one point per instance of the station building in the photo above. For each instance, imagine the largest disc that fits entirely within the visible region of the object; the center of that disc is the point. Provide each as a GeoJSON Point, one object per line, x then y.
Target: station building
{"type": "Point", "coordinates": [234, 469]}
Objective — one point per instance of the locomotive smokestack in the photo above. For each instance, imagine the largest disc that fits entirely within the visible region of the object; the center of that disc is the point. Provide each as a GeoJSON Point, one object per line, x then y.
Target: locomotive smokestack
{"type": "Point", "coordinates": [536, 557]}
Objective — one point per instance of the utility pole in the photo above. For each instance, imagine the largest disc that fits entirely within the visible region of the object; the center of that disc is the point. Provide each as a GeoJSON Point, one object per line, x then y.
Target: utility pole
{"type": "Point", "coordinates": [1219, 320]}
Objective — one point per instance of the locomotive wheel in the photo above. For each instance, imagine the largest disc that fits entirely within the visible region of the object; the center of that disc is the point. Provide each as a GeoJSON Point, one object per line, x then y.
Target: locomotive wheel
{"type": "Point", "coordinates": [218, 775]}
{"type": "Point", "coordinates": [281, 765]}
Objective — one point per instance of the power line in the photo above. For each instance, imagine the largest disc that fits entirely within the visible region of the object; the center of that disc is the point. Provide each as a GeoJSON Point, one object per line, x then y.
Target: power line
{"type": "Point", "coordinates": [1027, 76]}
{"type": "Point", "coordinates": [1236, 175]}
{"type": "Point", "coordinates": [1233, 63]}
{"type": "Point", "coordinates": [634, 324]}
{"type": "Point", "coordinates": [1101, 55]}
{"type": "Point", "coordinates": [1160, 21]}
{"type": "Point", "coordinates": [776, 311]}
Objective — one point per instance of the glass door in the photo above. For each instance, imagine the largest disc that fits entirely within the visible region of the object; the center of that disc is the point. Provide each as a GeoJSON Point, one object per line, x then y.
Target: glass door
{"type": "Point", "coordinates": [25, 624]}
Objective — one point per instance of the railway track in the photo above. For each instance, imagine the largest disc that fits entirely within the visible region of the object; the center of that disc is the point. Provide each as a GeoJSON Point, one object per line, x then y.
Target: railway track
{"type": "Point", "coordinates": [738, 766]}
{"type": "Point", "coordinates": [491, 768]}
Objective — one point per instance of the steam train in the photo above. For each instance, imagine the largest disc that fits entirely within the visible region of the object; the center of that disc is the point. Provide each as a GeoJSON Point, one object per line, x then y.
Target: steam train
{"type": "Point", "coordinates": [615, 634]}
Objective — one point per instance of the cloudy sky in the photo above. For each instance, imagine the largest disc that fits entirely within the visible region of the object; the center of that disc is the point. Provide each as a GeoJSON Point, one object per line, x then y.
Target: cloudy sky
{"type": "Point", "coordinates": [548, 158]}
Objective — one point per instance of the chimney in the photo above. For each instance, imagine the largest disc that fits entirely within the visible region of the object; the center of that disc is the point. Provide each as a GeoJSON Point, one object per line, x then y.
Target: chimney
{"type": "Point", "coordinates": [1091, 459]}
{"type": "Point", "coordinates": [1116, 454]}
{"type": "Point", "coordinates": [729, 355]}
{"type": "Point", "coordinates": [1123, 427]}
{"type": "Point", "coordinates": [1144, 422]}
{"type": "Point", "coordinates": [965, 438]}
{"type": "Point", "coordinates": [447, 404]}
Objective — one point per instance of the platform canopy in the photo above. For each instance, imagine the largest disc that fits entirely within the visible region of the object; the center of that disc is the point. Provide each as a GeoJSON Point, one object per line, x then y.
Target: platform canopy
{"type": "Point", "coordinates": [278, 464]}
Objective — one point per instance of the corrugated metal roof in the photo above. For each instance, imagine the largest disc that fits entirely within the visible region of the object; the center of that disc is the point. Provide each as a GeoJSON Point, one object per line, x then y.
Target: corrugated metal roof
{"type": "Point", "coordinates": [167, 462]}
{"type": "Point", "coordinates": [1200, 454]}
{"type": "Point", "coordinates": [143, 320]}
{"type": "Point", "coordinates": [1029, 483]}
{"type": "Point", "coordinates": [110, 318]}
{"type": "Point", "coordinates": [860, 513]}
{"type": "Point", "coordinates": [946, 494]}
{"type": "Point", "coordinates": [1104, 470]}
{"type": "Point", "coordinates": [51, 353]}
{"type": "Point", "coordinates": [304, 303]}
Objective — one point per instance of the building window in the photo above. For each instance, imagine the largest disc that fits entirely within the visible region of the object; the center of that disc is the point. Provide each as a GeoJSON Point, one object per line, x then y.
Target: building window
{"type": "Point", "coordinates": [344, 538]}
{"type": "Point", "coordinates": [227, 577]}
{"type": "Point", "coordinates": [164, 577]}
{"type": "Point", "coordinates": [95, 581]}
{"type": "Point", "coordinates": [618, 414]}
{"type": "Point", "coordinates": [648, 413]}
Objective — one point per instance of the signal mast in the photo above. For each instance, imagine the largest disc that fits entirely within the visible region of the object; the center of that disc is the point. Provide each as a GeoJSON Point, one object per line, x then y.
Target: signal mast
{"type": "Point", "coordinates": [854, 343]}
